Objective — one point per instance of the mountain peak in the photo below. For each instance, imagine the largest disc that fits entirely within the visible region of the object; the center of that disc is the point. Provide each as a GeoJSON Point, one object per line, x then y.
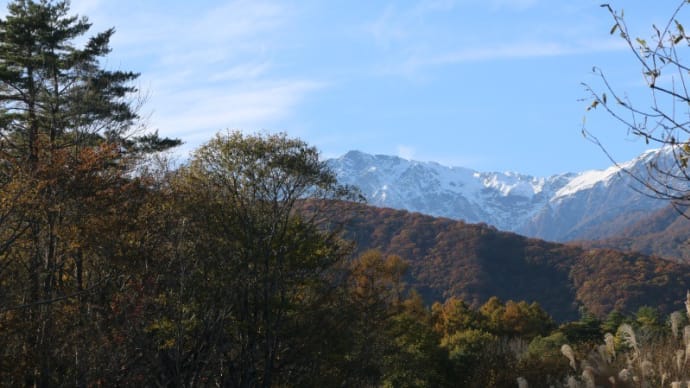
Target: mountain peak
{"type": "Point", "coordinates": [559, 207]}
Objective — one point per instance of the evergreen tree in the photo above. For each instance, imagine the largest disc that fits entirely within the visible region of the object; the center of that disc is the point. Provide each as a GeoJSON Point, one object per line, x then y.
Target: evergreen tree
{"type": "Point", "coordinates": [56, 95]}
{"type": "Point", "coordinates": [68, 140]}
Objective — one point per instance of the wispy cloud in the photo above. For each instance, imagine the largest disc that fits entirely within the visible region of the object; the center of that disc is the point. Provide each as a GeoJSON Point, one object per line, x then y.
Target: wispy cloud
{"type": "Point", "coordinates": [415, 39]}
{"type": "Point", "coordinates": [196, 114]}
{"type": "Point", "coordinates": [209, 72]}
{"type": "Point", "coordinates": [385, 29]}
{"type": "Point", "coordinates": [222, 32]}
{"type": "Point", "coordinates": [406, 152]}
{"type": "Point", "coordinates": [398, 24]}
{"type": "Point", "coordinates": [517, 50]}
{"type": "Point", "coordinates": [244, 71]}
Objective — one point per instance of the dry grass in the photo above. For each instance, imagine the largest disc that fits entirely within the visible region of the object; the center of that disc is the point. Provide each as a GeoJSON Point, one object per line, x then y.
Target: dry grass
{"type": "Point", "coordinates": [631, 358]}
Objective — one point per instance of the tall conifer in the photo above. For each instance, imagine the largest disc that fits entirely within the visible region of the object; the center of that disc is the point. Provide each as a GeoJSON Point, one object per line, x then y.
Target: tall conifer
{"type": "Point", "coordinates": [68, 138]}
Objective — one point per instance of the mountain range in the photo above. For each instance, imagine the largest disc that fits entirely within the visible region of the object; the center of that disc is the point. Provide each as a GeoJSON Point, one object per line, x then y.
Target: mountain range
{"type": "Point", "coordinates": [588, 205]}
{"type": "Point", "coordinates": [474, 235]}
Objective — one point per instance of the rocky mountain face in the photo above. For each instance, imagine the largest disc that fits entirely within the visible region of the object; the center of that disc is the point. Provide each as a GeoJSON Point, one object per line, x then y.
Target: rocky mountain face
{"type": "Point", "coordinates": [574, 206]}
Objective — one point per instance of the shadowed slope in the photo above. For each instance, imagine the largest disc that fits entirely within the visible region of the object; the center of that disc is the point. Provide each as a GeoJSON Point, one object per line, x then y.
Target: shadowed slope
{"type": "Point", "coordinates": [476, 261]}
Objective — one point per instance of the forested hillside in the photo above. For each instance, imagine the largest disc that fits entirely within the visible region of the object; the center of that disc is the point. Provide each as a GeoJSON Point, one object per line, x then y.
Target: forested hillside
{"type": "Point", "coordinates": [664, 233]}
{"type": "Point", "coordinates": [474, 262]}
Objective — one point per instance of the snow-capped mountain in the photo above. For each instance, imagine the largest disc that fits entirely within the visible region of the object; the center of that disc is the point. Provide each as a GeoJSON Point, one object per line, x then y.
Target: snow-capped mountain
{"type": "Point", "coordinates": [591, 204]}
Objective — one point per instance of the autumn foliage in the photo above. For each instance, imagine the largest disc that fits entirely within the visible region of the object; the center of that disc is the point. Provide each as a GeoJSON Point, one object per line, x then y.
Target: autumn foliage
{"type": "Point", "coordinates": [449, 258]}
{"type": "Point", "coordinates": [249, 264]}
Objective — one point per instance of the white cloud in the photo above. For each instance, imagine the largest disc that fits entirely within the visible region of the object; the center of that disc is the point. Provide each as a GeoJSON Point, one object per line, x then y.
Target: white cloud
{"type": "Point", "coordinates": [397, 24]}
{"type": "Point", "coordinates": [238, 19]}
{"type": "Point", "coordinates": [386, 29]}
{"type": "Point", "coordinates": [222, 32]}
{"type": "Point", "coordinates": [215, 70]}
{"type": "Point", "coordinates": [414, 40]}
{"type": "Point", "coordinates": [406, 152]}
{"type": "Point", "coordinates": [517, 50]}
{"type": "Point", "coordinates": [196, 114]}
{"type": "Point", "coordinates": [527, 50]}
{"type": "Point", "coordinates": [242, 71]}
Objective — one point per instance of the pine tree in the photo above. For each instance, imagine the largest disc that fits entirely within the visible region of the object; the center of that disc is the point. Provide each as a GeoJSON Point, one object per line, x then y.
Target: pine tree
{"type": "Point", "coordinates": [68, 139]}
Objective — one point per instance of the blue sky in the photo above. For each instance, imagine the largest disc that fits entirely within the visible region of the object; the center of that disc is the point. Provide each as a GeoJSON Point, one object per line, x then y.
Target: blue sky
{"type": "Point", "coordinates": [492, 85]}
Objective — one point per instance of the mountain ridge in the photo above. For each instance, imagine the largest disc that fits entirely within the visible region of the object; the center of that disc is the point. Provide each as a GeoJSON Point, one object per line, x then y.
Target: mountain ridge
{"type": "Point", "coordinates": [562, 207]}
{"type": "Point", "coordinates": [664, 233]}
{"type": "Point", "coordinates": [476, 261]}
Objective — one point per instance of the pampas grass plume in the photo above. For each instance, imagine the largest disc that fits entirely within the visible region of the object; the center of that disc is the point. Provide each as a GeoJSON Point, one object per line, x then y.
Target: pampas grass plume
{"type": "Point", "coordinates": [522, 382]}
{"type": "Point", "coordinates": [647, 368]}
{"type": "Point", "coordinates": [676, 319]}
{"type": "Point", "coordinates": [572, 382]}
{"type": "Point", "coordinates": [680, 359]}
{"type": "Point", "coordinates": [629, 337]}
{"type": "Point", "coordinates": [568, 352]}
{"type": "Point", "coordinates": [610, 342]}
{"type": "Point", "coordinates": [588, 377]}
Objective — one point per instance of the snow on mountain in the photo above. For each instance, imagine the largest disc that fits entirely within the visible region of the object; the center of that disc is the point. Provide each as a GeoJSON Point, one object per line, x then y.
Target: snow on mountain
{"type": "Point", "coordinates": [511, 183]}
{"type": "Point", "coordinates": [560, 207]}
{"type": "Point", "coordinates": [586, 181]}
